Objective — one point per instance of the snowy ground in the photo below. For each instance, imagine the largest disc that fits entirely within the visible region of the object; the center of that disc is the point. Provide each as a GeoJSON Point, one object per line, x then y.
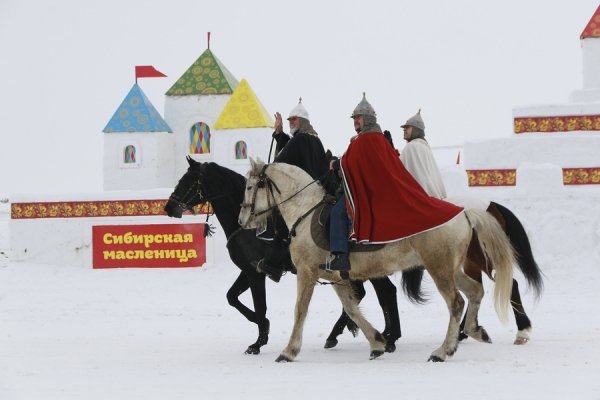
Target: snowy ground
{"type": "Point", "coordinates": [73, 333]}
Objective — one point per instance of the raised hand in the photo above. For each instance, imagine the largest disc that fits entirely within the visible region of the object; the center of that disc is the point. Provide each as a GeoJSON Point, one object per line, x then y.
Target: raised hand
{"type": "Point", "coordinates": [278, 123]}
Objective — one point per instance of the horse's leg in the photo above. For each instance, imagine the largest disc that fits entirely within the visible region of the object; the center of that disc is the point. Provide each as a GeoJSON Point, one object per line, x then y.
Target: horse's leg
{"type": "Point", "coordinates": [474, 265]}
{"type": "Point", "coordinates": [348, 299]}
{"type": "Point", "coordinates": [259, 298]}
{"type": "Point", "coordinates": [344, 320]}
{"type": "Point", "coordinates": [305, 285]}
{"type": "Point", "coordinates": [444, 281]}
{"type": "Point", "coordinates": [523, 322]}
{"type": "Point", "coordinates": [386, 294]}
{"type": "Point", "coordinates": [474, 292]}
{"type": "Point", "coordinates": [240, 285]}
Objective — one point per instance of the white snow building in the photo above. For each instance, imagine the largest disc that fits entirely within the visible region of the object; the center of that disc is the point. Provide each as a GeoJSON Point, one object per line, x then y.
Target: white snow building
{"type": "Point", "coordinates": [209, 116]}
{"type": "Point", "coordinates": [566, 136]}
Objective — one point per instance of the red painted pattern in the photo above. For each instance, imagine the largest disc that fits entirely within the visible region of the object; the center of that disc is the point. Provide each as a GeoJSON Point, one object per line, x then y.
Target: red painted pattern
{"type": "Point", "coordinates": [508, 177]}
{"type": "Point", "coordinates": [557, 124]}
{"type": "Point", "coordinates": [87, 209]}
{"type": "Point", "coordinates": [581, 176]}
{"type": "Point", "coordinates": [492, 177]}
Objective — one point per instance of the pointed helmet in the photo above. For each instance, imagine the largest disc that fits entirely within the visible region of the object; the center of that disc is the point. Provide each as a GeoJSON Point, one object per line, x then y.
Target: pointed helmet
{"type": "Point", "coordinates": [364, 108]}
{"type": "Point", "coordinates": [415, 121]}
{"type": "Point", "coordinates": [299, 111]}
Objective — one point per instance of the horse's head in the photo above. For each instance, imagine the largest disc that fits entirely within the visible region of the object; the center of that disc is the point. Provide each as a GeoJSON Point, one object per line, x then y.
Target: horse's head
{"type": "Point", "coordinates": [256, 195]}
{"type": "Point", "coordinates": [188, 192]}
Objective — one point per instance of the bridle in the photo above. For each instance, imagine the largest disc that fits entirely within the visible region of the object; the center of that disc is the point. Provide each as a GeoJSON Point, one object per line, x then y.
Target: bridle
{"type": "Point", "coordinates": [265, 182]}
{"type": "Point", "coordinates": [194, 191]}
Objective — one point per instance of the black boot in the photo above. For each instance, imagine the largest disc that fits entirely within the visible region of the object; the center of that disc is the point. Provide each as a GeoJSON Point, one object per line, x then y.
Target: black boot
{"type": "Point", "coordinates": [276, 260]}
{"type": "Point", "coordinates": [268, 269]}
{"type": "Point", "coordinates": [337, 262]}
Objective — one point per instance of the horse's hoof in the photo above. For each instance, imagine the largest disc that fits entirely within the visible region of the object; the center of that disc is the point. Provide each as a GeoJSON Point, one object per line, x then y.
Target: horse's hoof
{"type": "Point", "coordinates": [521, 340]}
{"type": "Point", "coordinates": [330, 343]}
{"type": "Point", "coordinates": [283, 359]}
{"type": "Point", "coordinates": [375, 354]}
{"type": "Point", "coordinates": [435, 359]}
{"type": "Point", "coordinates": [523, 336]}
{"type": "Point", "coordinates": [462, 336]}
{"type": "Point", "coordinates": [390, 347]}
{"type": "Point", "coordinates": [252, 350]}
{"type": "Point", "coordinates": [485, 337]}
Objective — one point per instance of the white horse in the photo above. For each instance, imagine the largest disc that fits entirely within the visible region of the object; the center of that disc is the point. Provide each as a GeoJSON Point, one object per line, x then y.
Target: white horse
{"type": "Point", "coordinates": [441, 251]}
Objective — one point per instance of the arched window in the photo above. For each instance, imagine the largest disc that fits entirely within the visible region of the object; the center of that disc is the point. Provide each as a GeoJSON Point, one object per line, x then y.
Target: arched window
{"type": "Point", "coordinates": [129, 154]}
{"type": "Point", "coordinates": [199, 138]}
{"type": "Point", "coordinates": [241, 150]}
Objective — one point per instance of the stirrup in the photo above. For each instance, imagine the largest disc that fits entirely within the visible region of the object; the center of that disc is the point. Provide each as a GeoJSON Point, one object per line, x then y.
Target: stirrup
{"type": "Point", "coordinates": [331, 264]}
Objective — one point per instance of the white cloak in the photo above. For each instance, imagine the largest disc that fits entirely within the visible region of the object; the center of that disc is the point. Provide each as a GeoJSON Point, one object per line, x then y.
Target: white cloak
{"type": "Point", "coordinates": [418, 160]}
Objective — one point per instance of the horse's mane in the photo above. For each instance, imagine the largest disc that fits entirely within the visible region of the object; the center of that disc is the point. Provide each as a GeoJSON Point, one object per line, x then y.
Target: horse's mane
{"type": "Point", "coordinates": [217, 177]}
{"type": "Point", "coordinates": [297, 174]}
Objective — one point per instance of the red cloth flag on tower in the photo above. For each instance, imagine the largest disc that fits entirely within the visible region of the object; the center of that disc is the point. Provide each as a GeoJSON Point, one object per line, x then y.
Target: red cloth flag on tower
{"type": "Point", "coordinates": [147, 71]}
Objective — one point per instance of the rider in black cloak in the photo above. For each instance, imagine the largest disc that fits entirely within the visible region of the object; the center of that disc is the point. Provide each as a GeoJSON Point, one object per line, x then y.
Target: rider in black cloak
{"type": "Point", "coordinates": [304, 150]}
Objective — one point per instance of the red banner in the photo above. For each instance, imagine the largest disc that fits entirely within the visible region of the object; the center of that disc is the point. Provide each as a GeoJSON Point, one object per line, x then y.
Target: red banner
{"type": "Point", "coordinates": [148, 246]}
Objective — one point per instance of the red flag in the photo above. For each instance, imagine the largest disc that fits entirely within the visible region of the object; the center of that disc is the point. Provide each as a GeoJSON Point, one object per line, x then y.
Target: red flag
{"type": "Point", "coordinates": [147, 71]}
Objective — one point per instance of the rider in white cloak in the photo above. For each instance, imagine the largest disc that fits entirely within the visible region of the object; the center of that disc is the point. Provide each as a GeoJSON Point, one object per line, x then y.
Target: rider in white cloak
{"type": "Point", "coordinates": [418, 158]}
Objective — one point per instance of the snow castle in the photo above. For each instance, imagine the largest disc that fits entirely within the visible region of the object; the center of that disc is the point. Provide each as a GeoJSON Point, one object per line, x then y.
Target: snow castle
{"type": "Point", "coordinates": [560, 142]}
{"type": "Point", "coordinates": [210, 116]}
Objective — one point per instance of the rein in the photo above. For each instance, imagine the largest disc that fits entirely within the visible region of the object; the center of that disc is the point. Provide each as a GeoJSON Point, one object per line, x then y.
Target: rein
{"type": "Point", "coordinates": [195, 189]}
{"type": "Point", "coordinates": [262, 179]}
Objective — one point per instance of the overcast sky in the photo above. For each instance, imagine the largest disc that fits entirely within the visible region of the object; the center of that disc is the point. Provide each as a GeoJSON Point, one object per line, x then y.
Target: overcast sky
{"type": "Point", "coordinates": [65, 66]}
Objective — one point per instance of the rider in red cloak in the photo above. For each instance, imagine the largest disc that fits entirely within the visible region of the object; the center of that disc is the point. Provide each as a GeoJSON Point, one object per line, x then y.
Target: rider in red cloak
{"type": "Point", "coordinates": [384, 203]}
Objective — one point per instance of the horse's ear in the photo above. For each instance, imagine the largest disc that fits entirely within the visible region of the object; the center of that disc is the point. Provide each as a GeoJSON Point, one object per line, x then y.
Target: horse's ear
{"type": "Point", "coordinates": [190, 160]}
{"type": "Point", "coordinates": [252, 163]}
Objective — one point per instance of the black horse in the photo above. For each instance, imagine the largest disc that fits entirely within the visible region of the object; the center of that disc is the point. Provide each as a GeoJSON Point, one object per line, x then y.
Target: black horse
{"type": "Point", "coordinates": [224, 189]}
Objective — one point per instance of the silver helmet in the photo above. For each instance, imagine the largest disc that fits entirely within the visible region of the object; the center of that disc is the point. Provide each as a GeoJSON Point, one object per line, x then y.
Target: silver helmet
{"type": "Point", "coordinates": [415, 121]}
{"type": "Point", "coordinates": [364, 108]}
{"type": "Point", "coordinates": [299, 111]}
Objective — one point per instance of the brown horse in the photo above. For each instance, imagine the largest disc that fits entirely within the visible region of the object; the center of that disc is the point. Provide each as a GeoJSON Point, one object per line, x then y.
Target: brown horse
{"type": "Point", "coordinates": [476, 266]}
{"type": "Point", "coordinates": [442, 251]}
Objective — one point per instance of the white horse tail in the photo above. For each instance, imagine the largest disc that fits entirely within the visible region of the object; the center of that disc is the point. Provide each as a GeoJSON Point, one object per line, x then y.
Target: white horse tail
{"type": "Point", "coordinates": [499, 256]}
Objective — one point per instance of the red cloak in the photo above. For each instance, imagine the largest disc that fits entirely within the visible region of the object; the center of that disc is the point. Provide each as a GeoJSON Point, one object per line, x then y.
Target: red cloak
{"type": "Point", "coordinates": [385, 202]}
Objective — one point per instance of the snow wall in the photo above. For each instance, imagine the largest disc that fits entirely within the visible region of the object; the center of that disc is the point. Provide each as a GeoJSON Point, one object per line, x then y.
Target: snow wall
{"type": "Point", "coordinates": [58, 229]}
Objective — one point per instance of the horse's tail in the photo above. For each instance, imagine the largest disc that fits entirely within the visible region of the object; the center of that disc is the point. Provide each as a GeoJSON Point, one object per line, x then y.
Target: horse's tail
{"type": "Point", "coordinates": [498, 253]}
{"type": "Point", "coordinates": [411, 285]}
{"type": "Point", "coordinates": [520, 241]}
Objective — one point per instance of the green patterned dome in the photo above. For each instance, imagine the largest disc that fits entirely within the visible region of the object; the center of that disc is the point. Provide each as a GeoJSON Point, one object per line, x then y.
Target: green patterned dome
{"type": "Point", "coordinates": [207, 75]}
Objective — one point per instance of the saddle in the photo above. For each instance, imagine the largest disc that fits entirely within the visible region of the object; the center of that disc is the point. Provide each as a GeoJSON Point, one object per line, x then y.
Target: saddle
{"type": "Point", "coordinates": [319, 230]}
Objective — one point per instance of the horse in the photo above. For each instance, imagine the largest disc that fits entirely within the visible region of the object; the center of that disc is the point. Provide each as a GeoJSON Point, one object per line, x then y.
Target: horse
{"type": "Point", "coordinates": [224, 189]}
{"type": "Point", "coordinates": [476, 266]}
{"type": "Point", "coordinates": [442, 251]}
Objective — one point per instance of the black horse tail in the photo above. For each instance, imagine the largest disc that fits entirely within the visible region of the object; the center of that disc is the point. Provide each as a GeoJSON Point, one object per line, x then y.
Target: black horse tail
{"type": "Point", "coordinates": [411, 285]}
{"type": "Point", "coordinates": [520, 242]}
